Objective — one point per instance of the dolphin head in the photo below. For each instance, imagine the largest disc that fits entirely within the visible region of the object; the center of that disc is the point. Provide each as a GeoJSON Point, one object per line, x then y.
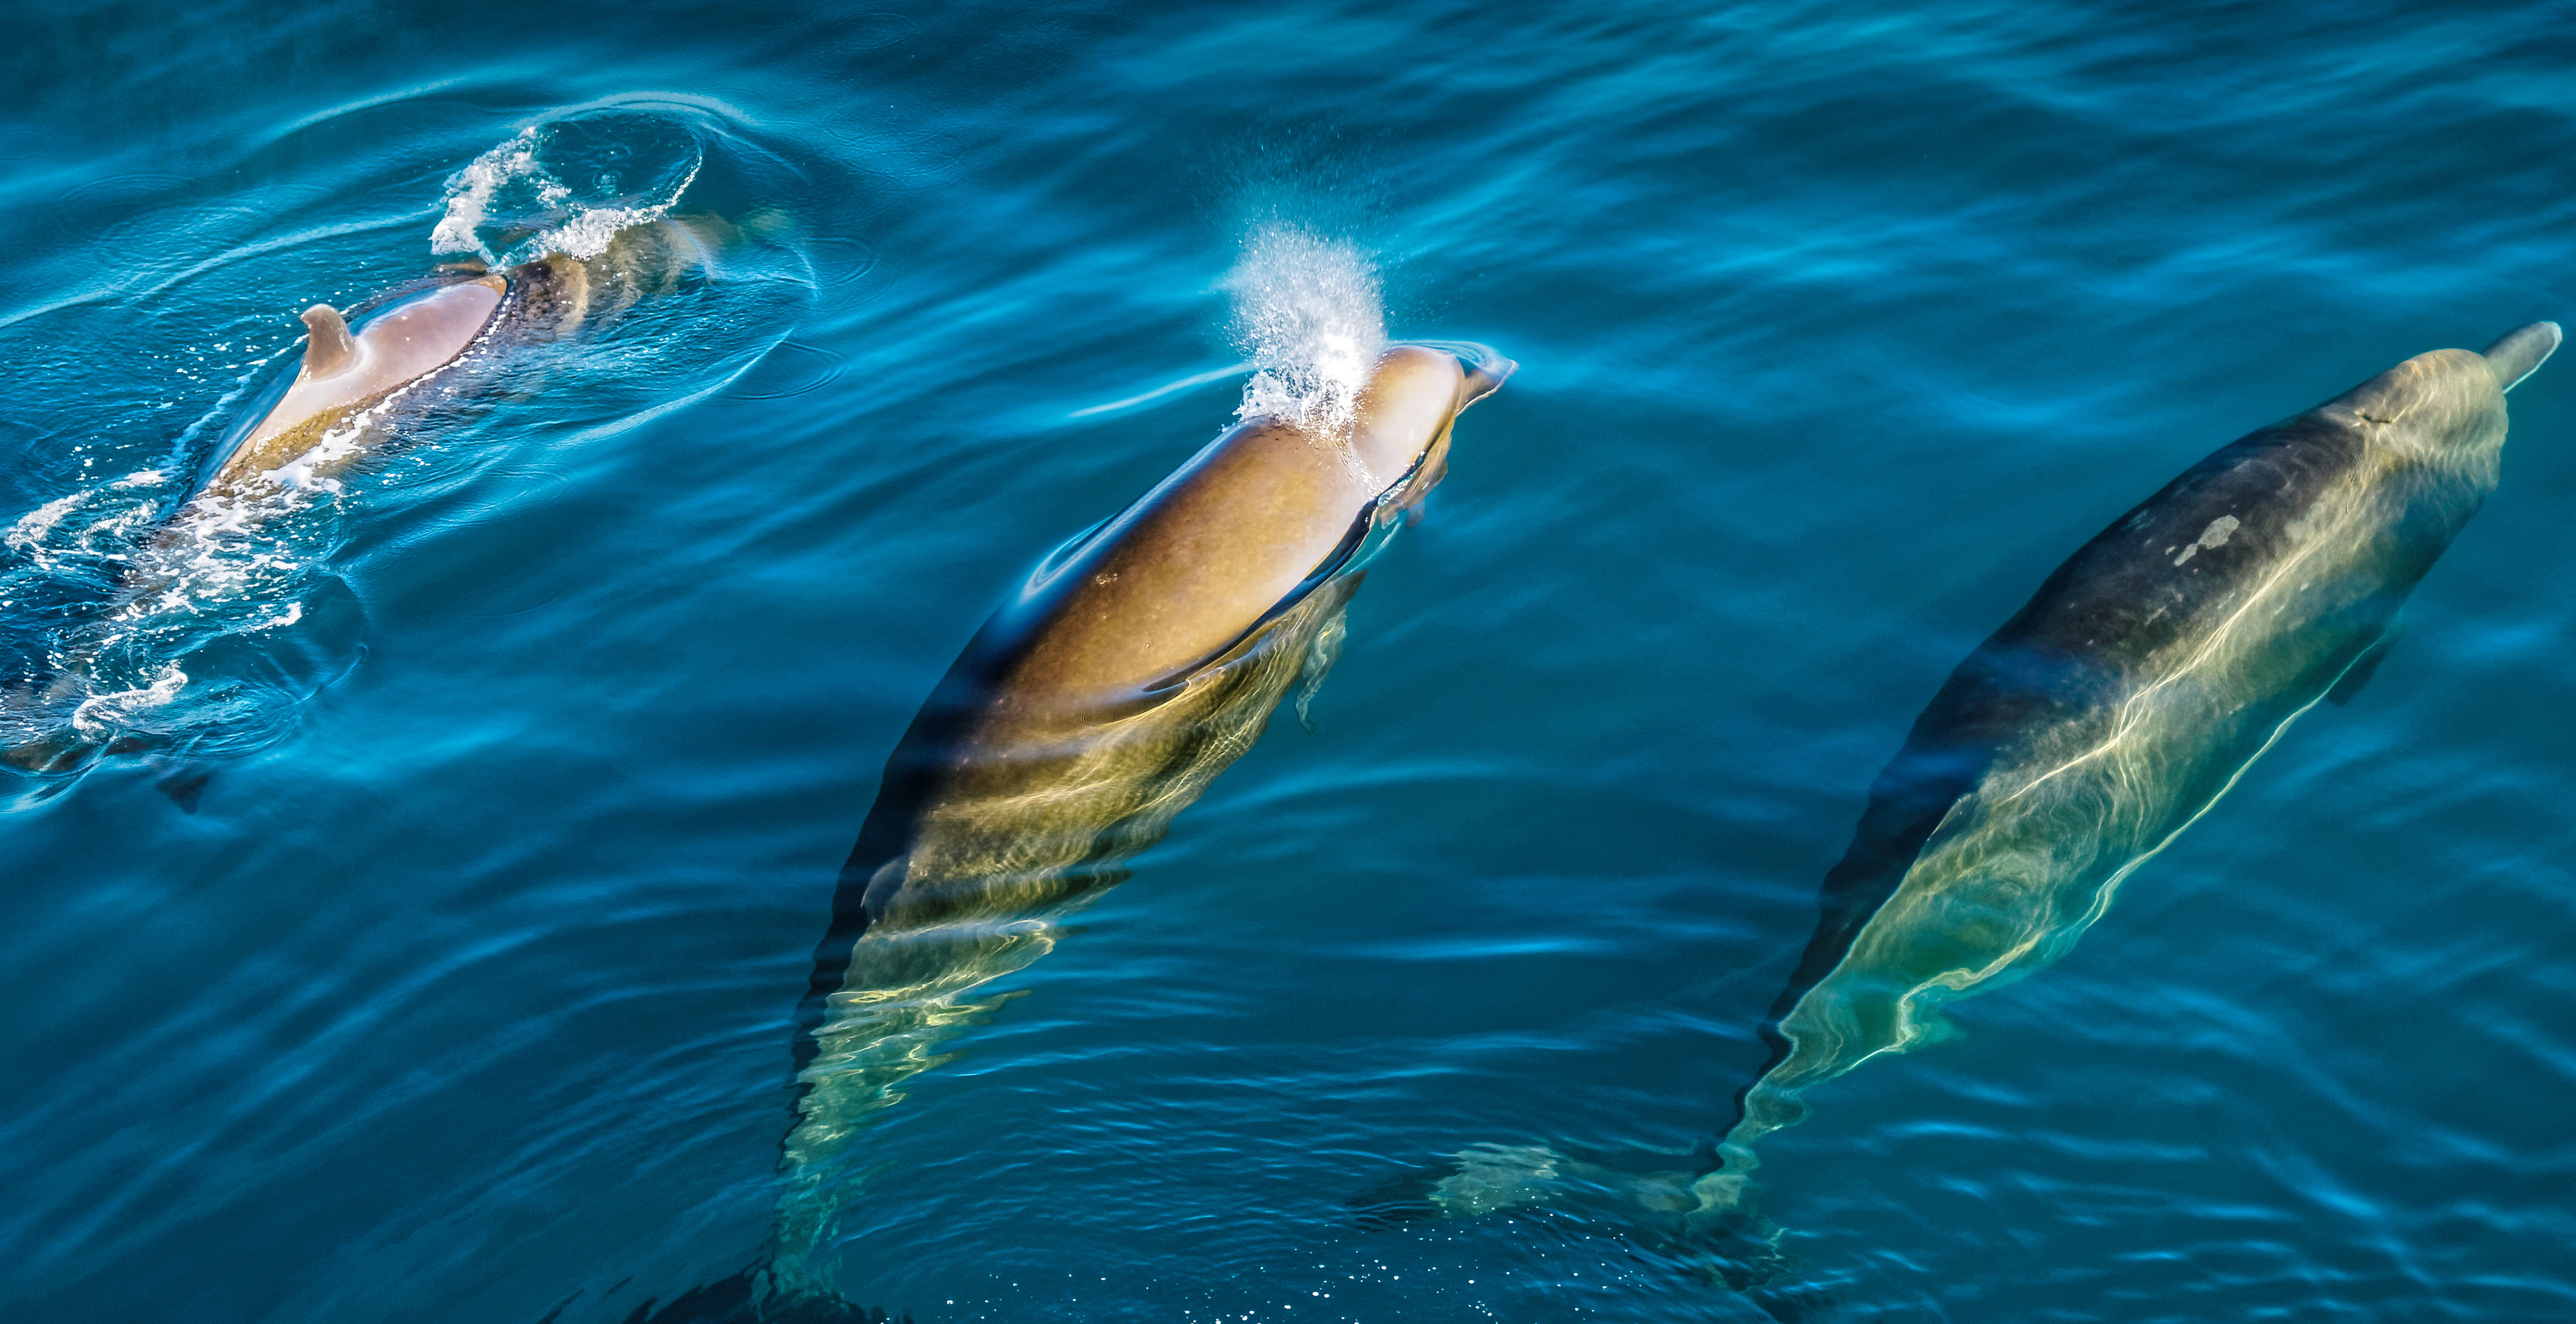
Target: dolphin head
{"type": "Point", "coordinates": [2515, 354]}
{"type": "Point", "coordinates": [2445, 408]}
{"type": "Point", "coordinates": [1413, 394]}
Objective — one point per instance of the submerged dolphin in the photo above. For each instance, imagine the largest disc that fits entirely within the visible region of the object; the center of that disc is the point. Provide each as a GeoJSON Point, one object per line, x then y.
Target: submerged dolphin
{"type": "Point", "coordinates": [2112, 711]}
{"type": "Point", "coordinates": [2089, 731]}
{"type": "Point", "coordinates": [1132, 667]}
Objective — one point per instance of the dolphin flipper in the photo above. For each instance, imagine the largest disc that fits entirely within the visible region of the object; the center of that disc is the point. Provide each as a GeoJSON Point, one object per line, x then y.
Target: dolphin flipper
{"type": "Point", "coordinates": [2520, 351]}
{"type": "Point", "coordinates": [2362, 669]}
{"type": "Point", "coordinates": [184, 784]}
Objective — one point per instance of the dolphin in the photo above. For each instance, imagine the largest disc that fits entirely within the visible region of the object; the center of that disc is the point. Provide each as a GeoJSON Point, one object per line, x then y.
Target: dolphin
{"type": "Point", "coordinates": [2104, 718]}
{"type": "Point", "coordinates": [351, 382]}
{"type": "Point", "coordinates": [2134, 689]}
{"type": "Point", "coordinates": [354, 386]}
{"type": "Point", "coordinates": [1133, 665]}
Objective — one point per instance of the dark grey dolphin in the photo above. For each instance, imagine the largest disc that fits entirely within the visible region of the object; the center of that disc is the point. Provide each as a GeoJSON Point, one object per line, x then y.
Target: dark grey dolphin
{"type": "Point", "coordinates": [2149, 671]}
{"type": "Point", "coordinates": [2131, 692]}
{"type": "Point", "coordinates": [1131, 668]}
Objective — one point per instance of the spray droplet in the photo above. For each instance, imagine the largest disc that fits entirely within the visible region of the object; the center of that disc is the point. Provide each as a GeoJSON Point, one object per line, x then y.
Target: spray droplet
{"type": "Point", "coordinates": [1309, 315]}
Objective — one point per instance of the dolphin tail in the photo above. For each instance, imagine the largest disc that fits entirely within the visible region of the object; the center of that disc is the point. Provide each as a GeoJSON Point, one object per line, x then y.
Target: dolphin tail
{"type": "Point", "coordinates": [2514, 356]}
{"type": "Point", "coordinates": [1706, 1223]}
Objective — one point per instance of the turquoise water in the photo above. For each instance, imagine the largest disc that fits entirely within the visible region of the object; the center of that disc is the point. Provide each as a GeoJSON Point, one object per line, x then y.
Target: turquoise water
{"type": "Point", "coordinates": [467, 990]}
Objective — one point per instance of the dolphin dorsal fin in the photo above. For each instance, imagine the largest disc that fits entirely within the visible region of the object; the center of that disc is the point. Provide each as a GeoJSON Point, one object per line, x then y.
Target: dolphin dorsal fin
{"type": "Point", "coordinates": [333, 348]}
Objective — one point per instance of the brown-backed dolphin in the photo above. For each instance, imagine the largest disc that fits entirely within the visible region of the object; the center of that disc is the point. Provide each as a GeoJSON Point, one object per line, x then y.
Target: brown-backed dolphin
{"type": "Point", "coordinates": [1130, 668]}
{"type": "Point", "coordinates": [350, 382]}
{"type": "Point", "coordinates": [352, 389]}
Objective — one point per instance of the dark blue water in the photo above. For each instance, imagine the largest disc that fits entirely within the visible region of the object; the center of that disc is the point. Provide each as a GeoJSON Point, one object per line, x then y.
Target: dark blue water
{"type": "Point", "coordinates": [466, 991]}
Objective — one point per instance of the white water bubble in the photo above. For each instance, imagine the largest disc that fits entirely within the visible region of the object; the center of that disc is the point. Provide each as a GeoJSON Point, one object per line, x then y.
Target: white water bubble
{"type": "Point", "coordinates": [513, 203]}
{"type": "Point", "coordinates": [31, 528]}
{"type": "Point", "coordinates": [99, 711]}
{"type": "Point", "coordinates": [1309, 314]}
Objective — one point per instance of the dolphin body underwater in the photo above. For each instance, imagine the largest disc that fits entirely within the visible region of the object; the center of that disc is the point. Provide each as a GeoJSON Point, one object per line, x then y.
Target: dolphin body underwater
{"type": "Point", "coordinates": [345, 401]}
{"type": "Point", "coordinates": [2116, 707]}
{"type": "Point", "coordinates": [2104, 718]}
{"type": "Point", "coordinates": [1133, 665]}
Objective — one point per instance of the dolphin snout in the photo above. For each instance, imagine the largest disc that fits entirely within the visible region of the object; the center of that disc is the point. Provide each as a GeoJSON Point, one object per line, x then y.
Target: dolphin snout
{"type": "Point", "coordinates": [1486, 372]}
{"type": "Point", "coordinates": [2518, 352]}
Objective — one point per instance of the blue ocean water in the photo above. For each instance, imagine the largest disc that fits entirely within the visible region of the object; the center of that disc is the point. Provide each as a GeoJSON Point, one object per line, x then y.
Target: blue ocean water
{"type": "Point", "coordinates": [466, 990]}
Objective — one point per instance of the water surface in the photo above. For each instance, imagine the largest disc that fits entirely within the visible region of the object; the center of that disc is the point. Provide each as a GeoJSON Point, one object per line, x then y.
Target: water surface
{"type": "Point", "coordinates": [465, 992]}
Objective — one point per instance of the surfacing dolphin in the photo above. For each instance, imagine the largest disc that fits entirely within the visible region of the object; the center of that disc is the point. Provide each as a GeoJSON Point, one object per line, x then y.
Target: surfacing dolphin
{"type": "Point", "coordinates": [1133, 666]}
{"type": "Point", "coordinates": [2105, 717]}
{"type": "Point", "coordinates": [353, 383]}
{"type": "Point", "coordinates": [350, 395]}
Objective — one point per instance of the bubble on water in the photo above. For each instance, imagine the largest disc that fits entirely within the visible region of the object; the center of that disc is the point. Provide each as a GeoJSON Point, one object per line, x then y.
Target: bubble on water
{"type": "Point", "coordinates": [587, 235]}
{"type": "Point", "coordinates": [29, 533]}
{"type": "Point", "coordinates": [1309, 315]}
{"type": "Point", "coordinates": [566, 187]}
{"type": "Point", "coordinates": [102, 712]}
{"type": "Point", "coordinates": [471, 192]}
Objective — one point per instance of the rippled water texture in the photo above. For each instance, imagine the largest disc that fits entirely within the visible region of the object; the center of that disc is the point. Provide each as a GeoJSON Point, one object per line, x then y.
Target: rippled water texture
{"type": "Point", "coordinates": [522, 757]}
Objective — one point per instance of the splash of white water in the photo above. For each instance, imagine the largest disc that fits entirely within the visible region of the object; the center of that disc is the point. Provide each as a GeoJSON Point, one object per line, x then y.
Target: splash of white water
{"type": "Point", "coordinates": [515, 188]}
{"type": "Point", "coordinates": [470, 192]}
{"type": "Point", "coordinates": [1308, 313]}
{"type": "Point", "coordinates": [103, 712]}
